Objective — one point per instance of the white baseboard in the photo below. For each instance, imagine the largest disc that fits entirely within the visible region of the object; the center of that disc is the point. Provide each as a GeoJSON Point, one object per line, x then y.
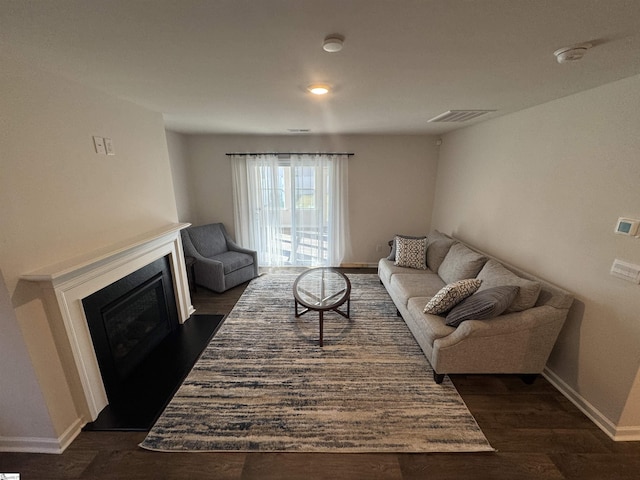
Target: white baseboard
{"type": "Point", "coordinates": [618, 434]}
{"type": "Point", "coordinates": [42, 444]}
{"type": "Point", "coordinates": [358, 265]}
{"type": "Point", "coordinates": [627, 434]}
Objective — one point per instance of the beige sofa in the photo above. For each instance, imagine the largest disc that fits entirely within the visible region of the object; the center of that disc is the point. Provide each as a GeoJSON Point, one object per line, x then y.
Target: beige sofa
{"type": "Point", "coordinates": [517, 341]}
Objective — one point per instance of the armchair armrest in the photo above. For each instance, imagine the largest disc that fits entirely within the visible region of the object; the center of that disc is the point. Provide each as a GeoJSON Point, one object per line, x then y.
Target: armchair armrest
{"type": "Point", "coordinates": [209, 273]}
{"type": "Point", "coordinates": [233, 246]}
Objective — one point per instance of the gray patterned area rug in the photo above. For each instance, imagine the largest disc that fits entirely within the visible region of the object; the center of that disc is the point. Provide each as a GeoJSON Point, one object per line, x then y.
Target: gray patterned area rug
{"type": "Point", "coordinates": [264, 384]}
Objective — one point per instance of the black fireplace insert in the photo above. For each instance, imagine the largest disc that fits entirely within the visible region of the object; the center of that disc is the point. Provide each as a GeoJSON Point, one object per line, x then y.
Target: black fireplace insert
{"type": "Point", "coordinates": [129, 319]}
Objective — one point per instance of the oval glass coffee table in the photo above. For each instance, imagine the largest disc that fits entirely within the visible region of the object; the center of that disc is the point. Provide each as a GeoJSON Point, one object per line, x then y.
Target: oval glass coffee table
{"type": "Point", "coordinates": [322, 289]}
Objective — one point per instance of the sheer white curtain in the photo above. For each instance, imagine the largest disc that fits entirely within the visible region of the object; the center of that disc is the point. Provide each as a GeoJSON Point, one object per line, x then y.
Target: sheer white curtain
{"type": "Point", "coordinates": [293, 210]}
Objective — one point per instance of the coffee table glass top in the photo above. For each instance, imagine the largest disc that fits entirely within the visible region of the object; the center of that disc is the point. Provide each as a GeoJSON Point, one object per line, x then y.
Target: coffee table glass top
{"type": "Point", "coordinates": [322, 288]}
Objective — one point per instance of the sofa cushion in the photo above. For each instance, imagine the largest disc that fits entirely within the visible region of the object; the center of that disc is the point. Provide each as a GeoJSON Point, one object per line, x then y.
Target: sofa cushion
{"type": "Point", "coordinates": [450, 295]}
{"type": "Point", "coordinates": [482, 305]}
{"type": "Point", "coordinates": [411, 252]}
{"type": "Point", "coordinates": [394, 248]}
{"type": "Point", "coordinates": [494, 274]}
{"type": "Point", "coordinates": [406, 286]}
{"type": "Point", "coordinates": [438, 245]}
{"type": "Point", "coordinates": [431, 327]}
{"type": "Point", "coordinates": [461, 262]}
{"type": "Point", "coordinates": [386, 269]}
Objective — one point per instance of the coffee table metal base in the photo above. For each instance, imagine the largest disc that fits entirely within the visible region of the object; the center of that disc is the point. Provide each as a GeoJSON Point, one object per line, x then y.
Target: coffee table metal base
{"type": "Point", "coordinates": [321, 314]}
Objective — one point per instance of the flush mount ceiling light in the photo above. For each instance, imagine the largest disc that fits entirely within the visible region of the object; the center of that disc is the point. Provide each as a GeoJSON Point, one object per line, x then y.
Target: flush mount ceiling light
{"type": "Point", "coordinates": [319, 89]}
{"type": "Point", "coordinates": [572, 53]}
{"type": "Point", "coordinates": [333, 43]}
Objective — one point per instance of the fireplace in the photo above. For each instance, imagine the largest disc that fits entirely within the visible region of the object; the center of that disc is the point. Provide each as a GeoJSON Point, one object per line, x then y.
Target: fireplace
{"type": "Point", "coordinates": [128, 320]}
{"type": "Point", "coordinates": [67, 284]}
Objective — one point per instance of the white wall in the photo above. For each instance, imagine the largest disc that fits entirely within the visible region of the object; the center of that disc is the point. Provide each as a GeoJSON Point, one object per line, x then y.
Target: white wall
{"type": "Point", "coordinates": [181, 174]}
{"type": "Point", "coordinates": [543, 189]}
{"type": "Point", "coordinates": [391, 181]}
{"type": "Point", "coordinates": [60, 199]}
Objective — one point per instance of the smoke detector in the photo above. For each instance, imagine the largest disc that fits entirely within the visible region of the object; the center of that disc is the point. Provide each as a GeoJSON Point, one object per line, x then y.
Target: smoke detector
{"type": "Point", "coordinates": [333, 43]}
{"type": "Point", "coordinates": [572, 53]}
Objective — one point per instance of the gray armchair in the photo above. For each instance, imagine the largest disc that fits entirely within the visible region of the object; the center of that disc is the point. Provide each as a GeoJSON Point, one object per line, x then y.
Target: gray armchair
{"type": "Point", "coordinates": [220, 264]}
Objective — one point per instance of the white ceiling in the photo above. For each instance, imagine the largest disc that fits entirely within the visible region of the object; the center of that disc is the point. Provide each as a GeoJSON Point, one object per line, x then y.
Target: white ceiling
{"type": "Point", "coordinates": [242, 66]}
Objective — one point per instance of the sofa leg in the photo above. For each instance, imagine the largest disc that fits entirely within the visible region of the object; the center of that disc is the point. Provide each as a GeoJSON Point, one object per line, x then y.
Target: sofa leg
{"type": "Point", "coordinates": [438, 377]}
{"type": "Point", "coordinates": [529, 378]}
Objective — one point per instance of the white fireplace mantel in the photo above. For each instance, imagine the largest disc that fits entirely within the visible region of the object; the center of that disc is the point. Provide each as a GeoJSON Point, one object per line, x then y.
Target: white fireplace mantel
{"type": "Point", "coordinates": [65, 284]}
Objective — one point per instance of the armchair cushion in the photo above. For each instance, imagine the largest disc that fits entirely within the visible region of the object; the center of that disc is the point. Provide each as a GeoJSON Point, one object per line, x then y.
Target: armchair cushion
{"type": "Point", "coordinates": [233, 261]}
{"type": "Point", "coordinates": [208, 240]}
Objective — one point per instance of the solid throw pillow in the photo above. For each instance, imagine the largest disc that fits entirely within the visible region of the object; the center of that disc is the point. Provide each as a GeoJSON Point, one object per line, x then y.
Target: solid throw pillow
{"type": "Point", "coordinates": [483, 304]}
{"type": "Point", "coordinates": [450, 295]}
{"type": "Point", "coordinates": [494, 274]}
{"type": "Point", "coordinates": [394, 248]}
{"type": "Point", "coordinates": [438, 245]}
{"type": "Point", "coordinates": [411, 252]}
{"type": "Point", "coordinates": [461, 262]}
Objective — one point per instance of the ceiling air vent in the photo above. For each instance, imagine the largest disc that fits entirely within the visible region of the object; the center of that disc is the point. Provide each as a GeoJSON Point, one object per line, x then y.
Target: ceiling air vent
{"type": "Point", "coordinates": [459, 115]}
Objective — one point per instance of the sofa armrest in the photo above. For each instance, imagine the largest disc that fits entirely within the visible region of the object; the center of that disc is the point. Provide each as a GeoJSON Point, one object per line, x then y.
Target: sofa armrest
{"type": "Point", "coordinates": [518, 342]}
{"type": "Point", "coordinates": [533, 318]}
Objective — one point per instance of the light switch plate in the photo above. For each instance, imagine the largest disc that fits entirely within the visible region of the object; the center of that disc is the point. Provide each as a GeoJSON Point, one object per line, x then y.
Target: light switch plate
{"type": "Point", "coordinates": [625, 270]}
{"type": "Point", "coordinates": [98, 142]}
{"type": "Point", "coordinates": [108, 145]}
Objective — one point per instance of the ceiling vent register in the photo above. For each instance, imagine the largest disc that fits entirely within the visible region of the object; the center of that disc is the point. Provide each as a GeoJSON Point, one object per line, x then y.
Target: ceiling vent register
{"type": "Point", "coordinates": [459, 115]}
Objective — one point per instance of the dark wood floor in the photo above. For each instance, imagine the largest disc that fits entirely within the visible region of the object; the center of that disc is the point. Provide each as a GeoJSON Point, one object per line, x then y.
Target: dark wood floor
{"type": "Point", "coordinates": [537, 433]}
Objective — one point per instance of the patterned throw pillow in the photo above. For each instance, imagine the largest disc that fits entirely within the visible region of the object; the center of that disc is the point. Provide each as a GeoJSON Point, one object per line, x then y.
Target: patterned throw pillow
{"type": "Point", "coordinates": [450, 295]}
{"type": "Point", "coordinates": [411, 252]}
{"type": "Point", "coordinates": [483, 305]}
{"type": "Point", "coordinates": [392, 254]}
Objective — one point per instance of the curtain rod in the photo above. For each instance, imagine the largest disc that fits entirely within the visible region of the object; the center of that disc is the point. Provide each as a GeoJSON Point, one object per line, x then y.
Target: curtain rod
{"type": "Point", "coordinates": [291, 153]}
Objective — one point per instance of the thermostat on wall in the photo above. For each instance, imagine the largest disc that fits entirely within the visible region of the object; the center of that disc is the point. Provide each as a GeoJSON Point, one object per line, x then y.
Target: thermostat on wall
{"type": "Point", "coordinates": [627, 226]}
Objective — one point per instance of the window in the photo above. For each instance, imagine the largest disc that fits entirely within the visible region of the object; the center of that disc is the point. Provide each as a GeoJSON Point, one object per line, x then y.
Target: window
{"type": "Point", "coordinates": [292, 210]}
{"type": "Point", "coordinates": [305, 187]}
{"type": "Point", "coordinates": [273, 193]}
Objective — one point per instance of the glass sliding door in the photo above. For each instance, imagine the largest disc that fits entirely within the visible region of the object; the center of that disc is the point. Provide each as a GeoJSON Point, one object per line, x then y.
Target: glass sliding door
{"type": "Point", "coordinates": [291, 208]}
